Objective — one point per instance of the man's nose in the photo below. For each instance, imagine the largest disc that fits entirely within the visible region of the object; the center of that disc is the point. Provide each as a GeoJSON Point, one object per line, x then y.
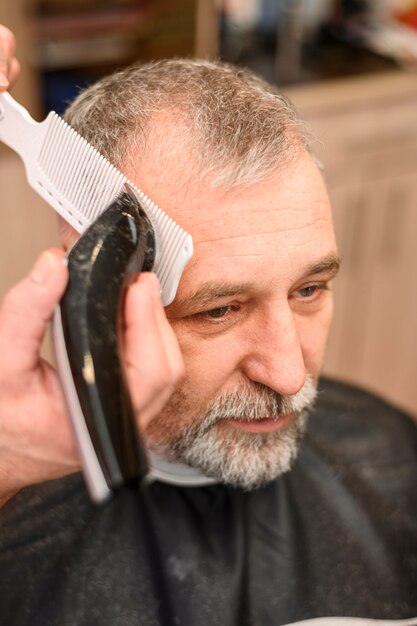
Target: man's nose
{"type": "Point", "coordinates": [274, 355]}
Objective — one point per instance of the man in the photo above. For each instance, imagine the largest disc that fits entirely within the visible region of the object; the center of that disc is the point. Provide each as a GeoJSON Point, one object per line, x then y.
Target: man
{"type": "Point", "coordinates": [246, 334]}
{"type": "Point", "coordinates": [280, 531]}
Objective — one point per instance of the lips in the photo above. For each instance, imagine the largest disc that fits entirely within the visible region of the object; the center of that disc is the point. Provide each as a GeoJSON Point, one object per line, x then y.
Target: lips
{"type": "Point", "coordinates": [262, 425]}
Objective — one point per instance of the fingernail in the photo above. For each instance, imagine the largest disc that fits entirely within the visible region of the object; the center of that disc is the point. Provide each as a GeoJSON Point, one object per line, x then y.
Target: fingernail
{"type": "Point", "coordinates": [155, 287]}
{"type": "Point", "coordinates": [43, 268]}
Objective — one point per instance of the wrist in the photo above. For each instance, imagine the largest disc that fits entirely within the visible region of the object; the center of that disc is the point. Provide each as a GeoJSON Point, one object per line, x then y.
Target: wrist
{"type": "Point", "coordinates": [20, 471]}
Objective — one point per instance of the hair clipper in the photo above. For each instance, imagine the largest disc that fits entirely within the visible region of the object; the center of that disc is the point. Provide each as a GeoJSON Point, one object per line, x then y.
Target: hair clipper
{"type": "Point", "coordinates": [87, 338]}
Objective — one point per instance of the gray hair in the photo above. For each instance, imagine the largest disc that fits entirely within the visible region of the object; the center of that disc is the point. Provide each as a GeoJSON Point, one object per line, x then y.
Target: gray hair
{"type": "Point", "coordinates": [240, 128]}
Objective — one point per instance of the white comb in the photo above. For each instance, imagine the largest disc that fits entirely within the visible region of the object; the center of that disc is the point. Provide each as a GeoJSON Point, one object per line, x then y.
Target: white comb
{"type": "Point", "coordinates": [79, 183]}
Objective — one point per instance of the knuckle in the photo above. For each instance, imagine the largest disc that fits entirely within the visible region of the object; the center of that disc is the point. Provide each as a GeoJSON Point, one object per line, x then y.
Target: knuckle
{"type": "Point", "coordinates": [164, 378]}
{"type": "Point", "coordinates": [152, 378]}
{"type": "Point", "coordinates": [179, 372]}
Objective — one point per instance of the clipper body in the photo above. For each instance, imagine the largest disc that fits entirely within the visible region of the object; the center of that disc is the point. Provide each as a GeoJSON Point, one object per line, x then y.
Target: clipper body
{"type": "Point", "coordinates": [87, 342]}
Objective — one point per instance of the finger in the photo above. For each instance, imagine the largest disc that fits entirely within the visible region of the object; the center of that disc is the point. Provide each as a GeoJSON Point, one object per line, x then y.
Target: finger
{"type": "Point", "coordinates": [153, 360]}
{"type": "Point", "coordinates": [7, 49]}
{"type": "Point", "coordinates": [173, 355]}
{"type": "Point", "coordinates": [169, 339]}
{"type": "Point", "coordinates": [175, 368]}
{"type": "Point", "coordinates": [14, 71]}
{"type": "Point", "coordinates": [26, 310]}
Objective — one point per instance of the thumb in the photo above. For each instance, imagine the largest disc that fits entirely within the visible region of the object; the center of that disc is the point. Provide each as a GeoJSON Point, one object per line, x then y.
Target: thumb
{"type": "Point", "coordinates": [26, 311]}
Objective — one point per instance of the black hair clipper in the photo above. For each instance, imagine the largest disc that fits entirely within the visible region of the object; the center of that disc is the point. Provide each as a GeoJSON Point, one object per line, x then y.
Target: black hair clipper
{"type": "Point", "coordinates": [87, 342]}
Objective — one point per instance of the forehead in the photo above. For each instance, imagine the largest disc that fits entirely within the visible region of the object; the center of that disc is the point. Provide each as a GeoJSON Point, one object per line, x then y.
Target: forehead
{"type": "Point", "coordinates": [270, 230]}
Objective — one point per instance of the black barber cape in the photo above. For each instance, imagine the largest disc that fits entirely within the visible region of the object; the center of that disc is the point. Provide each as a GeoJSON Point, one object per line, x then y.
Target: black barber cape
{"type": "Point", "coordinates": [336, 536]}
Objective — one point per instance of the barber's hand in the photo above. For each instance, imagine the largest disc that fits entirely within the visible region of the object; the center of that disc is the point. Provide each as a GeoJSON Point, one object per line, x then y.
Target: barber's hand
{"type": "Point", "coordinates": [9, 65]}
{"type": "Point", "coordinates": [152, 357]}
{"type": "Point", "coordinates": [36, 440]}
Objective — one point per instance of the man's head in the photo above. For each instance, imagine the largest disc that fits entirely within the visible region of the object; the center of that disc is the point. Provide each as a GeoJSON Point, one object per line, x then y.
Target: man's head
{"type": "Point", "coordinates": [227, 158]}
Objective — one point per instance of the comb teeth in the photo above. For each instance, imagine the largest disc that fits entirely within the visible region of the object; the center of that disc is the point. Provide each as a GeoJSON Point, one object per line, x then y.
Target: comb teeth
{"type": "Point", "coordinates": [174, 241]}
{"type": "Point", "coordinates": [83, 182]}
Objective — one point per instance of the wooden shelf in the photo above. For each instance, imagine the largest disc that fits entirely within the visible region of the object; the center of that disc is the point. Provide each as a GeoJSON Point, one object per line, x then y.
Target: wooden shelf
{"type": "Point", "coordinates": [367, 140]}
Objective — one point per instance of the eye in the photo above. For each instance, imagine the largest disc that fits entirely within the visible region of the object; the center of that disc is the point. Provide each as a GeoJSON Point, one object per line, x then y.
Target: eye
{"type": "Point", "coordinates": [307, 292]}
{"type": "Point", "coordinates": [311, 292]}
{"type": "Point", "coordinates": [216, 320]}
{"type": "Point", "coordinates": [217, 313]}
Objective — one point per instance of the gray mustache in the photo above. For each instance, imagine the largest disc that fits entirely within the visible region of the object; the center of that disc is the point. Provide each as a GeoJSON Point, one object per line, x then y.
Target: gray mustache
{"type": "Point", "coordinates": [260, 402]}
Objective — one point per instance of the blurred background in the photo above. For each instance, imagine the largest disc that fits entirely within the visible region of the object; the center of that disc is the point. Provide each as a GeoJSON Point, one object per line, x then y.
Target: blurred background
{"type": "Point", "coordinates": [350, 66]}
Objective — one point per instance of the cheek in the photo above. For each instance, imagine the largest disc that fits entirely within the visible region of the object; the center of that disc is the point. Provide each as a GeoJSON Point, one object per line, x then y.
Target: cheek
{"type": "Point", "coordinates": [209, 367]}
{"type": "Point", "coordinates": [210, 363]}
{"type": "Point", "coordinates": [313, 333]}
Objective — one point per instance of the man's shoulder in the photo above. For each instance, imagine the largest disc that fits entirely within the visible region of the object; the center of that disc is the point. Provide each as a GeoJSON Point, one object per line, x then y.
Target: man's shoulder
{"type": "Point", "coordinates": [349, 404]}
{"type": "Point", "coordinates": [358, 426]}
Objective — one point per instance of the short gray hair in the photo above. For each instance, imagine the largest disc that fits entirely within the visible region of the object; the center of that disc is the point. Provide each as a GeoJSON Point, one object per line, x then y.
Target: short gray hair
{"type": "Point", "coordinates": [240, 126]}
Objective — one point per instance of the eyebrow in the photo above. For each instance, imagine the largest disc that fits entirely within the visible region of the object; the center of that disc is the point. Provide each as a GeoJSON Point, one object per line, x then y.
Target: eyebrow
{"type": "Point", "coordinates": [330, 264]}
{"type": "Point", "coordinates": [214, 291]}
{"type": "Point", "coordinates": [211, 291]}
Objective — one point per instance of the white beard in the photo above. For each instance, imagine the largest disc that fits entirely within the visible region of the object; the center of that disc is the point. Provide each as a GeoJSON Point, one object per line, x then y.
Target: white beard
{"type": "Point", "coordinates": [234, 456]}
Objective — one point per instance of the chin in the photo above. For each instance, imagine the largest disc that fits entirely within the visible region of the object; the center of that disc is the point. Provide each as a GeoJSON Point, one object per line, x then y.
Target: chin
{"type": "Point", "coordinates": [244, 438]}
{"type": "Point", "coordinates": [236, 458]}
